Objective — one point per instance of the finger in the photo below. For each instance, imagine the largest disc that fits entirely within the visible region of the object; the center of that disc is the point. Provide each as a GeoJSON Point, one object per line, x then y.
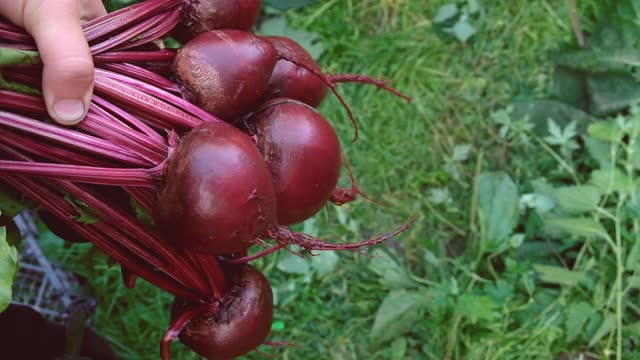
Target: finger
{"type": "Point", "coordinates": [91, 9]}
{"type": "Point", "coordinates": [67, 79]}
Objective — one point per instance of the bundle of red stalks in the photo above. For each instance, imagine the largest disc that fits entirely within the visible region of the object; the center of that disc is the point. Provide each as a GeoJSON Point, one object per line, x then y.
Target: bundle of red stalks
{"type": "Point", "coordinates": [154, 142]}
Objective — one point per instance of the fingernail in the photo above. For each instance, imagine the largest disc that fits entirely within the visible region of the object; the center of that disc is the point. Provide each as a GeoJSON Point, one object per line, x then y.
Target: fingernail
{"type": "Point", "coordinates": [69, 112]}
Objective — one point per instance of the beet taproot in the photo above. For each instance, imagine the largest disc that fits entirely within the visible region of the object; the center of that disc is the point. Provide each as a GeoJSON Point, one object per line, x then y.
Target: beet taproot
{"type": "Point", "coordinates": [225, 72]}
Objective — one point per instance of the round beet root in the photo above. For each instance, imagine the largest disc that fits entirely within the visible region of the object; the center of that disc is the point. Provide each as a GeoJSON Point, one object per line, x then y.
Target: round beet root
{"type": "Point", "coordinates": [303, 154]}
{"type": "Point", "coordinates": [239, 325]}
{"type": "Point", "coordinates": [199, 16]}
{"type": "Point", "coordinates": [293, 81]}
{"type": "Point", "coordinates": [217, 195]}
{"type": "Point", "coordinates": [225, 72]}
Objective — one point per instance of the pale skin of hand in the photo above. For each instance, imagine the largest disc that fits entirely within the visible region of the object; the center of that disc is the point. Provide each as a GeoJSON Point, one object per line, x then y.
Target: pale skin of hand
{"type": "Point", "coordinates": [56, 26]}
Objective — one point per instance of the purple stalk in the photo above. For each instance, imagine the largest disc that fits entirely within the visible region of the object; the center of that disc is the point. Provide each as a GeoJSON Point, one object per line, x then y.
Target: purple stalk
{"type": "Point", "coordinates": [69, 137]}
{"type": "Point", "coordinates": [117, 20]}
{"type": "Point", "coordinates": [164, 26]}
{"type": "Point", "coordinates": [17, 46]}
{"type": "Point", "coordinates": [5, 25]}
{"type": "Point", "coordinates": [161, 94]}
{"type": "Point", "coordinates": [8, 35]}
{"type": "Point", "coordinates": [84, 174]}
{"type": "Point", "coordinates": [133, 33]}
{"type": "Point", "coordinates": [100, 234]}
{"type": "Point", "coordinates": [127, 139]}
{"type": "Point", "coordinates": [142, 74]}
{"type": "Point", "coordinates": [106, 126]}
{"type": "Point", "coordinates": [247, 259]}
{"type": "Point", "coordinates": [21, 102]}
{"type": "Point", "coordinates": [46, 151]}
{"type": "Point", "coordinates": [133, 121]}
{"type": "Point", "coordinates": [357, 78]}
{"type": "Point", "coordinates": [137, 99]}
{"type": "Point", "coordinates": [143, 196]}
{"type": "Point", "coordinates": [162, 256]}
{"type": "Point", "coordinates": [134, 56]}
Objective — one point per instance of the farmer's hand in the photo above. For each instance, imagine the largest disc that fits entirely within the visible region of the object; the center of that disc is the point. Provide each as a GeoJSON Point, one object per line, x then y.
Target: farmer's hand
{"type": "Point", "coordinates": [67, 80]}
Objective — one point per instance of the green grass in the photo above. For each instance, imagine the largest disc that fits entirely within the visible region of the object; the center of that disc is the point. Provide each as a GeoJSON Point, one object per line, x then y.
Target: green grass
{"type": "Point", "coordinates": [404, 152]}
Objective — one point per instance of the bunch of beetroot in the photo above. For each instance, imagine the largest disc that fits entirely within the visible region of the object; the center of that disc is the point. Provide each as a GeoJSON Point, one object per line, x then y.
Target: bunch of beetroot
{"type": "Point", "coordinates": [219, 143]}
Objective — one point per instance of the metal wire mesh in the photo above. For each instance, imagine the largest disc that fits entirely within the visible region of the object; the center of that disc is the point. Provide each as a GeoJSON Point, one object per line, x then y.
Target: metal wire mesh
{"type": "Point", "coordinates": [43, 285]}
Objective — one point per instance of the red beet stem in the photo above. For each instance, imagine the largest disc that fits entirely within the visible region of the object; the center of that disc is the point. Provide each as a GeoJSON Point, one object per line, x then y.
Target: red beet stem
{"type": "Point", "coordinates": [163, 95]}
{"type": "Point", "coordinates": [135, 98]}
{"type": "Point", "coordinates": [163, 26]}
{"type": "Point", "coordinates": [284, 236]}
{"type": "Point", "coordinates": [47, 151]}
{"type": "Point", "coordinates": [69, 137]}
{"type": "Point", "coordinates": [100, 235]}
{"type": "Point", "coordinates": [144, 196]}
{"type": "Point", "coordinates": [132, 121]}
{"type": "Point", "coordinates": [85, 174]}
{"type": "Point", "coordinates": [167, 259]}
{"type": "Point", "coordinates": [128, 278]}
{"type": "Point", "coordinates": [261, 254]}
{"type": "Point", "coordinates": [213, 273]}
{"type": "Point", "coordinates": [142, 74]}
{"type": "Point", "coordinates": [134, 56]}
{"type": "Point", "coordinates": [138, 34]}
{"type": "Point", "coordinates": [9, 35]}
{"type": "Point", "coordinates": [357, 78]}
{"type": "Point", "coordinates": [127, 16]}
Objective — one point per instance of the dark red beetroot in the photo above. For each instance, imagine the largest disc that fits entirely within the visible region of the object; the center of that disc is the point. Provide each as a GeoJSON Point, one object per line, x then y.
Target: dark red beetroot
{"type": "Point", "coordinates": [225, 72]}
{"type": "Point", "coordinates": [303, 154]}
{"type": "Point", "coordinates": [292, 81]}
{"type": "Point", "coordinates": [217, 195]}
{"type": "Point", "coordinates": [199, 16]}
{"type": "Point", "coordinates": [240, 323]}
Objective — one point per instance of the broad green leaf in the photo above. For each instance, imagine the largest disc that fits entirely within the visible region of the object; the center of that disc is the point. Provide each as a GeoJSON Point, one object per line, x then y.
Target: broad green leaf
{"type": "Point", "coordinates": [498, 207]}
{"type": "Point", "coordinates": [613, 48]}
{"type": "Point", "coordinates": [600, 151]}
{"type": "Point", "coordinates": [611, 93]}
{"type": "Point", "coordinates": [476, 307]}
{"type": "Point", "coordinates": [558, 275]}
{"type": "Point", "coordinates": [293, 264]}
{"type": "Point", "coordinates": [608, 324]}
{"type": "Point", "coordinates": [399, 349]}
{"type": "Point", "coordinates": [584, 227]}
{"type": "Point", "coordinates": [324, 262]}
{"type": "Point", "coordinates": [288, 4]}
{"type": "Point", "coordinates": [634, 329]}
{"type": "Point", "coordinates": [462, 30]}
{"type": "Point", "coordinates": [577, 199]}
{"type": "Point", "coordinates": [611, 180]}
{"type": "Point", "coordinates": [445, 12]}
{"type": "Point", "coordinates": [393, 275]}
{"type": "Point", "coordinates": [633, 259]}
{"type": "Point", "coordinates": [605, 131]}
{"type": "Point", "coordinates": [569, 86]}
{"type": "Point", "coordinates": [396, 315]}
{"type": "Point", "coordinates": [577, 315]}
{"type": "Point", "coordinates": [8, 268]}
{"type": "Point", "coordinates": [634, 282]}
{"type": "Point", "coordinates": [540, 111]}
